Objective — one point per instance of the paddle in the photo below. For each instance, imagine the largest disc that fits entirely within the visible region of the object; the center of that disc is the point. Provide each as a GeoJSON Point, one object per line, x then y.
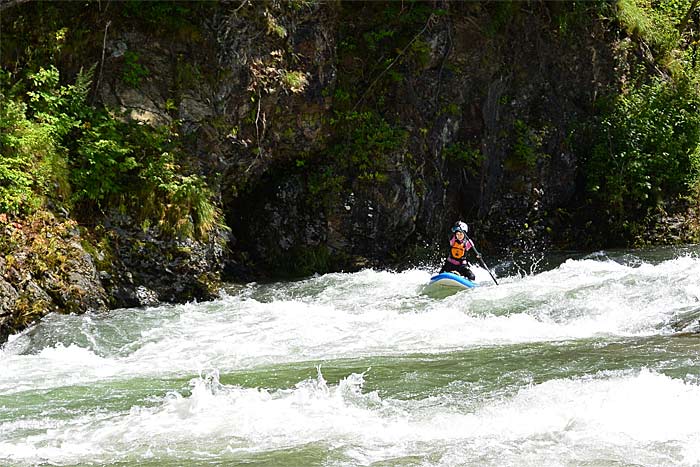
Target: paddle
{"type": "Point", "coordinates": [478, 255]}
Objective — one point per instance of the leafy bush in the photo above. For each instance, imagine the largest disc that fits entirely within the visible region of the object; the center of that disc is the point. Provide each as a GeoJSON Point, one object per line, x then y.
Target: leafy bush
{"type": "Point", "coordinates": [100, 161]}
{"type": "Point", "coordinates": [16, 138]}
{"type": "Point", "coordinates": [645, 153]}
{"type": "Point", "coordinates": [367, 143]}
{"type": "Point", "coordinates": [55, 145]}
{"type": "Point", "coordinates": [33, 164]}
{"type": "Point", "coordinates": [646, 149]}
{"type": "Point", "coordinates": [181, 204]}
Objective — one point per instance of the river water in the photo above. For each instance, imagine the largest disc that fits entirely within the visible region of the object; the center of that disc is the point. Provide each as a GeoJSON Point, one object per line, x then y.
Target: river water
{"type": "Point", "coordinates": [579, 364]}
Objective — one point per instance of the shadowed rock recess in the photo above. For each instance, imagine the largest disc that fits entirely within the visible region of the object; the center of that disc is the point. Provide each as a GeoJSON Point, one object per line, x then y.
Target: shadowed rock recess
{"type": "Point", "coordinates": [330, 136]}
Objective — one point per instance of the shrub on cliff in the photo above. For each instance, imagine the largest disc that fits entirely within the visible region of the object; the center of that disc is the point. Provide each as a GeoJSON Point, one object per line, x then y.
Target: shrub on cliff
{"type": "Point", "coordinates": [31, 133]}
{"type": "Point", "coordinates": [58, 148]}
{"type": "Point", "coordinates": [645, 153]}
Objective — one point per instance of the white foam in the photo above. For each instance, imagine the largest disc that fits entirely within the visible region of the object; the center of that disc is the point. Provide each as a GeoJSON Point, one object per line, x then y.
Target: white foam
{"type": "Point", "coordinates": [620, 414]}
{"type": "Point", "coordinates": [362, 314]}
{"type": "Point", "coordinates": [638, 417]}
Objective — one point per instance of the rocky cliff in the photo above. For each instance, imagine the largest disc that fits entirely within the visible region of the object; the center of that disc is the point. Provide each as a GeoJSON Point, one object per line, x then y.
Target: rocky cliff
{"type": "Point", "coordinates": [333, 135]}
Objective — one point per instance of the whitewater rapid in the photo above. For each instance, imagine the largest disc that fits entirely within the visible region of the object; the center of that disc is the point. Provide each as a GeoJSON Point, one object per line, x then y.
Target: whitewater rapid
{"type": "Point", "coordinates": [579, 364]}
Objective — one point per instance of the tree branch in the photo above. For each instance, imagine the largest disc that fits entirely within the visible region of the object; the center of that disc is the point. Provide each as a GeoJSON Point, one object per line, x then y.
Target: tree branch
{"type": "Point", "coordinates": [102, 62]}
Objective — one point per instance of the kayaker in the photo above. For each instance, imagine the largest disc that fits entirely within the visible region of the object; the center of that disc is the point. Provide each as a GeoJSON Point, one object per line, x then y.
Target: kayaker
{"type": "Point", "coordinates": [459, 245]}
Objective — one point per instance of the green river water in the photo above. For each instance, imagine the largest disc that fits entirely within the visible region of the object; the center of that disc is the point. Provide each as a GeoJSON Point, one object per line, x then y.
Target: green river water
{"type": "Point", "coordinates": [593, 361]}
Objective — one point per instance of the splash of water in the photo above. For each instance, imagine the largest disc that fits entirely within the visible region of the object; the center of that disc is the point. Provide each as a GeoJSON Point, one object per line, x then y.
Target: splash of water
{"type": "Point", "coordinates": [578, 363]}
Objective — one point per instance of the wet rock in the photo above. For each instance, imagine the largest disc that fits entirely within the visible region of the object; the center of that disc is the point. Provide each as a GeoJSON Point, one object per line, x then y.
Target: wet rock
{"type": "Point", "coordinates": [8, 296]}
{"type": "Point", "coordinates": [48, 271]}
{"type": "Point", "coordinates": [149, 267]}
{"type": "Point", "coordinates": [146, 296]}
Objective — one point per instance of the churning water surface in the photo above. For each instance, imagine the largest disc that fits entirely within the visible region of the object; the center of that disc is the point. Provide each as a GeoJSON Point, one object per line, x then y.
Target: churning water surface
{"type": "Point", "coordinates": [592, 362]}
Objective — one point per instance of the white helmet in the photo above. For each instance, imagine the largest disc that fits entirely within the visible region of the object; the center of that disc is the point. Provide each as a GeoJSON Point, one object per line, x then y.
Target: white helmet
{"type": "Point", "coordinates": [460, 226]}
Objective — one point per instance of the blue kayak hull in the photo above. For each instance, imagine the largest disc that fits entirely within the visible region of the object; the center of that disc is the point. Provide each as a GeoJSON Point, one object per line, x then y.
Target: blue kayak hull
{"type": "Point", "coordinates": [448, 279]}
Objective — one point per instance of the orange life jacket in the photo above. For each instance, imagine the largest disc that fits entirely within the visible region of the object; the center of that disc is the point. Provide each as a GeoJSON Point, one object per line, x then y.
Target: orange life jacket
{"type": "Point", "coordinates": [458, 250]}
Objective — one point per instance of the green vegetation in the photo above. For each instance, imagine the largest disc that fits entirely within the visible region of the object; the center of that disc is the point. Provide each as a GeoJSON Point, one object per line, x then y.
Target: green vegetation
{"type": "Point", "coordinates": [133, 71]}
{"type": "Point", "coordinates": [56, 147]}
{"type": "Point", "coordinates": [645, 155]}
{"type": "Point", "coordinates": [31, 135]}
{"type": "Point", "coordinates": [294, 81]}
{"type": "Point", "coordinates": [363, 151]}
{"type": "Point", "coordinates": [368, 143]}
{"type": "Point", "coordinates": [646, 152]}
{"type": "Point", "coordinates": [173, 18]}
{"type": "Point", "coordinates": [375, 48]}
{"type": "Point", "coordinates": [158, 13]}
{"type": "Point", "coordinates": [655, 23]}
{"type": "Point", "coordinates": [527, 149]}
{"type": "Point", "coordinates": [574, 18]}
{"type": "Point", "coordinates": [469, 158]}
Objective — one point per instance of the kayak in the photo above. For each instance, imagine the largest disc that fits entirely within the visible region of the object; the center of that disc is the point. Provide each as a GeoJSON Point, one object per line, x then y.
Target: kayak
{"type": "Point", "coordinates": [448, 279]}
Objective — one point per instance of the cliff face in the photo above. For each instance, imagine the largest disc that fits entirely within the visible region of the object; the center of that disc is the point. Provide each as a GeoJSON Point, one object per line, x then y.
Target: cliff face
{"type": "Point", "coordinates": [332, 135]}
{"type": "Point", "coordinates": [413, 116]}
